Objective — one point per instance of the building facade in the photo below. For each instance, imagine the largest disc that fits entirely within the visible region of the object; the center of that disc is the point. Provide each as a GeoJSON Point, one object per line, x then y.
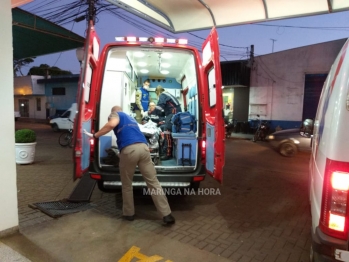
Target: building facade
{"type": "Point", "coordinates": [38, 97]}
{"type": "Point", "coordinates": [286, 86]}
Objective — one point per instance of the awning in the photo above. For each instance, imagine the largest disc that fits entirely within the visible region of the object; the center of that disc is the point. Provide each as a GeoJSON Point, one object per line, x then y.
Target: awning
{"type": "Point", "coordinates": [35, 36]}
{"type": "Point", "coordinates": [190, 15]}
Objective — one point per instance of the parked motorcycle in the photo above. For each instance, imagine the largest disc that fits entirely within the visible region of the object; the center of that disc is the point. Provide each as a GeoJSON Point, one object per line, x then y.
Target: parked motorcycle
{"type": "Point", "coordinates": [261, 131]}
{"type": "Point", "coordinates": [229, 128]}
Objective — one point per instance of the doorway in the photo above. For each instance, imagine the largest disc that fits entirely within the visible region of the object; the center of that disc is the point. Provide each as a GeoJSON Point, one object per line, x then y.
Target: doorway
{"type": "Point", "coordinates": [24, 107]}
{"type": "Point", "coordinates": [312, 91]}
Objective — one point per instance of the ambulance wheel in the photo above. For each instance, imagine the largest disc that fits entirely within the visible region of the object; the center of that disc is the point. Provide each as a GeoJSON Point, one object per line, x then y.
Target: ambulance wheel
{"type": "Point", "coordinates": [105, 190]}
{"type": "Point", "coordinates": [195, 185]}
{"type": "Point", "coordinates": [156, 160]}
{"type": "Point", "coordinates": [288, 149]}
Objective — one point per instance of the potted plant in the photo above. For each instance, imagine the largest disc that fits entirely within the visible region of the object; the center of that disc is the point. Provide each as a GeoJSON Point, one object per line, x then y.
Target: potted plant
{"type": "Point", "coordinates": [25, 142]}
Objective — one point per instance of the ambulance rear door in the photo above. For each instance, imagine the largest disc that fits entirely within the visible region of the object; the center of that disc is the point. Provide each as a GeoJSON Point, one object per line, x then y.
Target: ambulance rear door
{"type": "Point", "coordinates": [86, 99]}
{"type": "Point", "coordinates": [213, 107]}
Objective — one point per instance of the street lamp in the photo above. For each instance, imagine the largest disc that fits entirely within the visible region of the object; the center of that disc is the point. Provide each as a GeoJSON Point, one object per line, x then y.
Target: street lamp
{"type": "Point", "coordinates": [80, 54]}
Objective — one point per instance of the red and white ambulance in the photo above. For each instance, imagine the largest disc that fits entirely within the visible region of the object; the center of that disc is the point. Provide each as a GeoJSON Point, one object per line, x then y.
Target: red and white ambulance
{"type": "Point", "coordinates": [329, 166]}
{"type": "Point", "coordinates": [110, 77]}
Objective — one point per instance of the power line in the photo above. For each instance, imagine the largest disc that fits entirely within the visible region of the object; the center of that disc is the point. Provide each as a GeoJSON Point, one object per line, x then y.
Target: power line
{"type": "Point", "coordinates": [308, 27]}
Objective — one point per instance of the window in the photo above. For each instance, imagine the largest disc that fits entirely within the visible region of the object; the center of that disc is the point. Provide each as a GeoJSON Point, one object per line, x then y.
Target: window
{"type": "Point", "coordinates": [38, 104]}
{"type": "Point", "coordinates": [212, 87]}
{"type": "Point", "coordinates": [58, 91]}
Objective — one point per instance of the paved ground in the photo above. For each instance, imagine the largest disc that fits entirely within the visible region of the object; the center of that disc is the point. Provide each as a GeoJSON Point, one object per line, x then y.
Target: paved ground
{"type": "Point", "coordinates": [261, 214]}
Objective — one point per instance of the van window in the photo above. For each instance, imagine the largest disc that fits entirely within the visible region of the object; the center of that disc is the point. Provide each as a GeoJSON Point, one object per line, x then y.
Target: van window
{"type": "Point", "coordinates": [88, 84]}
{"type": "Point", "coordinates": [212, 87]}
{"type": "Point", "coordinates": [66, 114]}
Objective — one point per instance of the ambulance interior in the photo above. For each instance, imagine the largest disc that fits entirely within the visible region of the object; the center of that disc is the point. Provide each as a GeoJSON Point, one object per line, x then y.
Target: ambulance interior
{"type": "Point", "coordinates": [174, 69]}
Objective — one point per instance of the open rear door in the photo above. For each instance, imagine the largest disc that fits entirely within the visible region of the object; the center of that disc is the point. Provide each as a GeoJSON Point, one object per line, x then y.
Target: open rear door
{"type": "Point", "coordinates": [86, 103]}
{"type": "Point", "coordinates": [213, 107]}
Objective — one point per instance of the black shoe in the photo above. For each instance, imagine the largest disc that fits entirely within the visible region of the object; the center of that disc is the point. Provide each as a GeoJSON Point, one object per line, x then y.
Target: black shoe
{"type": "Point", "coordinates": [129, 218]}
{"type": "Point", "coordinates": [165, 158]}
{"type": "Point", "coordinates": [169, 219]}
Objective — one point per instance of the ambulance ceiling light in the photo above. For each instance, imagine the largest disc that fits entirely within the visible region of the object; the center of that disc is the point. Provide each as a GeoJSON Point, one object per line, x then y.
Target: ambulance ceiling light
{"type": "Point", "coordinates": [138, 54]}
{"type": "Point", "coordinates": [144, 71]}
{"type": "Point", "coordinates": [166, 55]}
{"type": "Point", "coordinates": [164, 72]}
{"type": "Point", "coordinates": [142, 64]}
{"type": "Point", "coordinates": [165, 65]}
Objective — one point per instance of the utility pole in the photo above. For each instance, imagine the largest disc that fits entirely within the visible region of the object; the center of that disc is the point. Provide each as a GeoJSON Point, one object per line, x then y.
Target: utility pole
{"type": "Point", "coordinates": [272, 50]}
{"type": "Point", "coordinates": [91, 11]}
{"type": "Point", "coordinates": [252, 56]}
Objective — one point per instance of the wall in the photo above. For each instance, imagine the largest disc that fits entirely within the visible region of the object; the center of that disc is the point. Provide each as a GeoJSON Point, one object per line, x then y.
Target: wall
{"type": "Point", "coordinates": [33, 110]}
{"type": "Point", "coordinates": [61, 102]}
{"type": "Point", "coordinates": [8, 187]}
{"type": "Point", "coordinates": [277, 81]}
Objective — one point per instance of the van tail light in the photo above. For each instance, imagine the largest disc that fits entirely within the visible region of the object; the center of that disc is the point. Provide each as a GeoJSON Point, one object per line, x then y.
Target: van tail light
{"type": "Point", "coordinates": [334, 219]}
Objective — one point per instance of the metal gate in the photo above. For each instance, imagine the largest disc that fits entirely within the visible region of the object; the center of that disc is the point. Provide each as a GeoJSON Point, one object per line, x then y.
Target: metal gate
{"type": "Point", "coordinates": [312, 91]}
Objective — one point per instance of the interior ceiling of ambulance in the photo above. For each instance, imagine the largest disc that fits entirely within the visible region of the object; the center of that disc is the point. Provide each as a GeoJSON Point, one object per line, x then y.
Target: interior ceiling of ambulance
{"type": "Point", "coordinates": [185, 15]}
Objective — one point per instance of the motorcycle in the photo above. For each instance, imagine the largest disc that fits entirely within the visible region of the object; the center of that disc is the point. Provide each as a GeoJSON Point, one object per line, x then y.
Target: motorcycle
{"type": "Point", "coordinates": [229, 128]}
{"type": "Point", "coordinates": [261, 131]}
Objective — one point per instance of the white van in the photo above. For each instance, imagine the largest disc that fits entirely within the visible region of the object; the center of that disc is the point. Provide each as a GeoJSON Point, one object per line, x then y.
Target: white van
{"type": "Point", "coordinates": [64, 121]}
{"type": "Point", "coordinates": [329, 166]}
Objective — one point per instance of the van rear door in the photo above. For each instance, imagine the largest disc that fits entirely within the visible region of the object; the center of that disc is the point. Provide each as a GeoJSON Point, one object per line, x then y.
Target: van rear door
{"type": "Point", "coordinates": [86, 98]}
{"type": "Point", "coordinates": [213, 106]}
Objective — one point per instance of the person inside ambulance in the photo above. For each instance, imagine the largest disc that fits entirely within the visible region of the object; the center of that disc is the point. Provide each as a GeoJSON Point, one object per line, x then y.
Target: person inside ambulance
{"type": "Point", "coordinates": [142, 100]}
{"type": "Point", "coordinates": [155, 114]}
{"type": "Point", "coordinates": [171, 106]}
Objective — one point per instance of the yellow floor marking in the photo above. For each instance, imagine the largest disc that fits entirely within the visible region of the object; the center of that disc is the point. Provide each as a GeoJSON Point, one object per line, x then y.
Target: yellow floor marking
{"type": "Point", "coordinates": [133, 252]}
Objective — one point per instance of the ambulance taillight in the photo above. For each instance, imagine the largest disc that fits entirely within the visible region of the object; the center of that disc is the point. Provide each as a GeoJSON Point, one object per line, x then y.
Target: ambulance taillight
{"type": "Point", "coordinates": [334, 219]}
{"type": "Point", "coordinates": [203, 149]}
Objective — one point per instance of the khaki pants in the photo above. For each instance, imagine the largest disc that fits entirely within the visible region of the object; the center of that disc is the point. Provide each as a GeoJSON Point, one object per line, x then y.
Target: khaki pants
{"type": "Point", "coordinates": [130, 157]}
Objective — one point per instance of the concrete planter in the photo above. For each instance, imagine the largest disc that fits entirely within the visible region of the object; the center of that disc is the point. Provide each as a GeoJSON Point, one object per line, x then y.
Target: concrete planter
{"type": "Point", "coordinates": [25, 153]}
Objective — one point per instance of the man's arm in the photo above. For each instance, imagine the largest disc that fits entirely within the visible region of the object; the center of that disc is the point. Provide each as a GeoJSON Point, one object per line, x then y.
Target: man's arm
{"type": "Point", "coordinates": [162, 101]}
{"type": "Point", "coordinates": [112, 123]}
{"type": "Point", "coordinates": [138, 99]}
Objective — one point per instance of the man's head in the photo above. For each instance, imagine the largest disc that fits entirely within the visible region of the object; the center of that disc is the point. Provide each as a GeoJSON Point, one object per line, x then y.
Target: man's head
{"type": "Point", "coordinates": [158, 90]}
{"type": "Point", "coordinates": [146, 84]}
{"type": "Point", "coordinates": [152, 106]}
{"type": "Point", "coordinates": [116, 109]}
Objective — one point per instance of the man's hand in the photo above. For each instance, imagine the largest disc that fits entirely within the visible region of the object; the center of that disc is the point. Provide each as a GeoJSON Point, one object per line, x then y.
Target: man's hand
{"type": "Point", "coordinates": [88, 134]}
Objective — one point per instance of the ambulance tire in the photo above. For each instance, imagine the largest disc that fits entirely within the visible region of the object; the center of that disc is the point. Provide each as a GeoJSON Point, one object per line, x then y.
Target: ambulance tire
{"type": "Point", "coordinates": [288, 149]}
{"type": "Point", "coordinates": [195, 186]}
{"type": "Point", "coordinates": [105, 190]}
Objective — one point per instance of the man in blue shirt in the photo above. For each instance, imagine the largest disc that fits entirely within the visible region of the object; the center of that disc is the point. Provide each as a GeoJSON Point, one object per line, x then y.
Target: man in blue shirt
{"type": "Point", "coordinates": [134, 152]}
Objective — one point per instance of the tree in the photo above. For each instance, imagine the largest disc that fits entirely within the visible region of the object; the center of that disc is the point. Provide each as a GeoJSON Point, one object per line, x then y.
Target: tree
{"type": "Point", "coordinates": [18, 63]}
{"type": "Point", "coordinates": [45, 70]}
